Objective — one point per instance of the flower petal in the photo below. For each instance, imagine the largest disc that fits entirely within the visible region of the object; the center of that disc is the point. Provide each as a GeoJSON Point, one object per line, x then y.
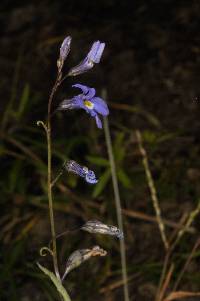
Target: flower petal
{"type": "Point", "coordinates": [84, 88]}
{"type": "Point", "coordinates": [96, 52]}
{"type": "Point", "coordinates": [82, 67]}
{"type": "Point", "coordinates": [93, 56]}
{"type": "Point", "coordinates": [74, 103]}
{"type": "Point", "coordinates": [100, 106]}
{"type": "Point", "coordinates": [91, 93]}
{"type": "Point", "coordinates": [90, 177]}
{"type": "Point", "coordinates": [98, 121]}
{"type": "Point", "coordinates": [87, 91]}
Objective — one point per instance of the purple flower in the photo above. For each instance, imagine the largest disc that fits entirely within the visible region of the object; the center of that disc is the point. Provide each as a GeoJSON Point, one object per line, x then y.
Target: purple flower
{"type": "Point", "coordinates": [64, 51]}
{"type": "Point", "coordinates": [82, 171]}
{"type": "Point", "coordinates": [65, 48]}
{"type": "Point", "coordinates": [87, 101]}
{"type": "Point", "coordinates": [92, 58]}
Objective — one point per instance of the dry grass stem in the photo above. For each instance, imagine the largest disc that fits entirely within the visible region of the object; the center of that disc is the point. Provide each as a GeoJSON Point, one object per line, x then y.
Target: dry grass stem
{"type": "Point", "coordinates": [152, 190]}
{"type": "Point", "coordinates": [196, 245]}
{"type": "Point", "coordinates": [166, 283]}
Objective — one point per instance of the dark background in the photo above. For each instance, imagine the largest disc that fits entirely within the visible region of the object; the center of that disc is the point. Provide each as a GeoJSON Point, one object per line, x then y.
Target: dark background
{"type": "Point", "coordinates": [150, 69]}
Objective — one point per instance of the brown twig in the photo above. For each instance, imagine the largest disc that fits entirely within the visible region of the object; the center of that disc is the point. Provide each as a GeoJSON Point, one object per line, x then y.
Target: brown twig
{"type": "Point", "coordinates": [196, 245]}
{"type": "Point", "coordinates": [166, 283]}
{"type": "Point", "coordinates": [167, 257]}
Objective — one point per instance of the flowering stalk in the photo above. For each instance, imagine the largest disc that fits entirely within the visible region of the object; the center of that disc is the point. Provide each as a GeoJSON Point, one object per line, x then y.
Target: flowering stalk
{"type": "Point", "coordinates": [49, 186]}
{"type": "Point", "coordinates": [94, 106]}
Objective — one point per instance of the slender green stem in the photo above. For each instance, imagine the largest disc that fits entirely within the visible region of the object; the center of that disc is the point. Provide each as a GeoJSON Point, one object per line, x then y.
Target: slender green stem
{"type": "Point", "coordinates": [117, 203]}
{"type": "Point", "coordinates": [49, 186]}
{"type": "Point", "coordinates": [58, 175]}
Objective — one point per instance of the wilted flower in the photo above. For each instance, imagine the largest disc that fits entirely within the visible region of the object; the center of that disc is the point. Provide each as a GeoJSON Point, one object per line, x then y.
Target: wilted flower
{"type": "Point", "coordinates": [64, 51]}
{"type": "Point", "coordinates": [98, 227]}
{"type": "Point", "coordinates": [87, 101]}
{"type": "Point", "coordinates": [93, 57]}
{"type": "Point", "coordinates": [82, 171]}
{"type": "Point", "coordinates": [79, 256]}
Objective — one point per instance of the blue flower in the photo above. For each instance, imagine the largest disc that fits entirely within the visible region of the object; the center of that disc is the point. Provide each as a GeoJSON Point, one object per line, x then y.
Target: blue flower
{"type": "Point", "coordinates": [82, 171]}
{"type": "Point", "coordinates": [87, 101]}
{"type": "Point", "coordinates": [64, 51]}
{"type": "Point", "coordinates": [93, 57]}
{"type": "Point", "coordinates": [65, 47]}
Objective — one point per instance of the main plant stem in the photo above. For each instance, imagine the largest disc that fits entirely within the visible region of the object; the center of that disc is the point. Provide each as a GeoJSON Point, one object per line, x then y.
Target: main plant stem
{"type": "Point", "coordinates": [49, 178]}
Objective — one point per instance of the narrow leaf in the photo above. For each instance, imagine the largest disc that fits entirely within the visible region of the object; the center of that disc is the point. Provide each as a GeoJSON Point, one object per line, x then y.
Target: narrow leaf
{"type": "Point", "coordinates": [103, 180]}
{"type": "Point", "coordinates": [56, 282]}
{"type": "Point", "coordinates": [23, 101]}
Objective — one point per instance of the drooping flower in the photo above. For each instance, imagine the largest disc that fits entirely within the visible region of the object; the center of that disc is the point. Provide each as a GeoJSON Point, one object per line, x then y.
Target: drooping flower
{"type": "Point", "coordinates": [82, 171]}
{"type": "Point", "coordinates": [95, 226]}
{"type": "Point", "coordinates": [80, 256]}
{"type": "Point", "coordinates": [93, 57]}
{"type": "Point", "coordinates": [87, 101]}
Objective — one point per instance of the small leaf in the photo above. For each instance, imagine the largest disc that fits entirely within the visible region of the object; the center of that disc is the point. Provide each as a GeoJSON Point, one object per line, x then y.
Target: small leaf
{"type": "Point", "coordinates": [56, 282]}
{"type": "Point", "coordinates": [103, 180]}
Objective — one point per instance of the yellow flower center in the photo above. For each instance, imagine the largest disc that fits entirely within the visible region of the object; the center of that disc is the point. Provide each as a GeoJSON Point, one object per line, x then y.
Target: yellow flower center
{"type": "Point", "coordinates": [88, 104]}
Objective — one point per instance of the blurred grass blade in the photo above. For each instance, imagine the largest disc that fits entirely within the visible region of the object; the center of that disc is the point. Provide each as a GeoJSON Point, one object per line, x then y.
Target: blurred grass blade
{"type": "Point", "coordinates": [9, 108]}
{"type": "Point", "coordinates": [98, 161]}
{"type": "Point", "coordinates": [119, 148]}
{"type": "Point", "coordinates": [23, 101]}
{"type": "Point", "coordinates": [56, 282]}
{"type": "Point", "coordinates": [103, 180]}
{"type": "Point", "coordinates": [124, 178]}
{"type": "Point", "coordinates": [181, 295]}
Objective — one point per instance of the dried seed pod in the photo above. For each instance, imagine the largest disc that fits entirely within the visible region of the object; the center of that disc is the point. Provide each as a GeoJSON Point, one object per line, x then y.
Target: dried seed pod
{"type": "Point", "coordinates": [79, 256]}
{"type": "Point", "coordinates": [95, 226]}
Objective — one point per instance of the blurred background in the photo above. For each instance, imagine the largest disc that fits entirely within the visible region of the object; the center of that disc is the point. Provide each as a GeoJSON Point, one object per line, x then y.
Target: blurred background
{"type": "Point", "coordinates": [150, 69]}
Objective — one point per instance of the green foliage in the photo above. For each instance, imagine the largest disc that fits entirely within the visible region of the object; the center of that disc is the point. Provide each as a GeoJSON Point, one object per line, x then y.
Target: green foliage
{"type": "Point", "coordinates": [103, 181]}
{"type": "Point", "coordinates": [60, 288]}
